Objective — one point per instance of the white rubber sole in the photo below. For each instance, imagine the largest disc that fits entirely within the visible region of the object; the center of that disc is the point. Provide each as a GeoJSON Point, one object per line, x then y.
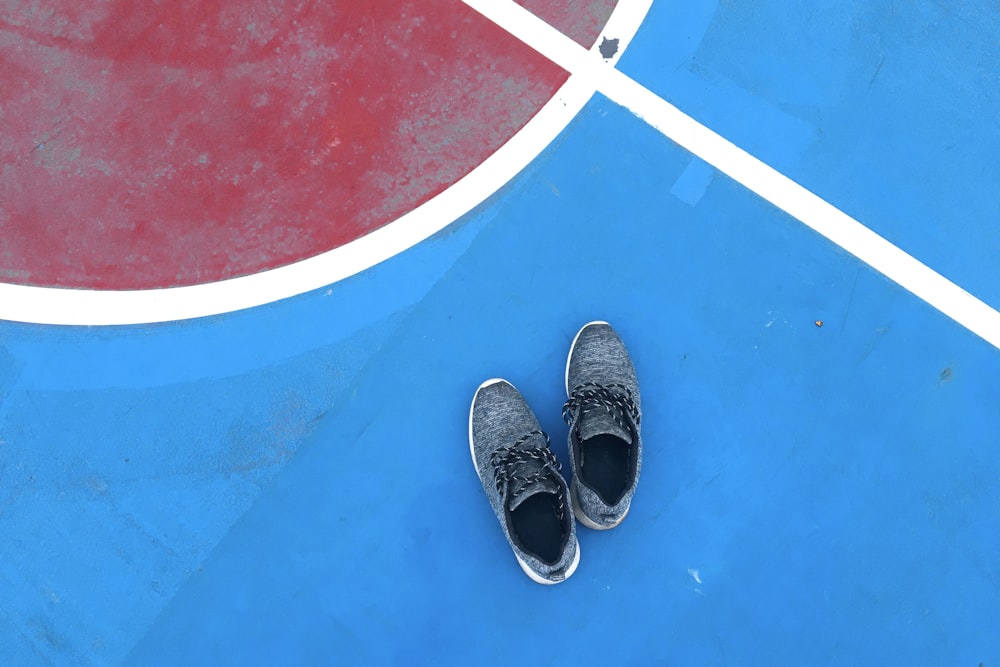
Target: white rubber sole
{"type": "Point", "coordinates": [573, 347]}
{"type": "Point", "coordinates": [472, 450]}
{"type": "Point", "coordinates": [545, 582]}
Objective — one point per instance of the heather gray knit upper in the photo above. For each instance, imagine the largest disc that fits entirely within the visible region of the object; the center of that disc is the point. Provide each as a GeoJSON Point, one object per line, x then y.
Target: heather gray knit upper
{"type": "Point", "coordinates": [502, 419]}
{"type": "Point", "coordinates": [599, 364]}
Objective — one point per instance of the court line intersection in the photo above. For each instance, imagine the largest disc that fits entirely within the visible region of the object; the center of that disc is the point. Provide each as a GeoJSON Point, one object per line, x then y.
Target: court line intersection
{"type": "Point", "coordinates": [799, 202]}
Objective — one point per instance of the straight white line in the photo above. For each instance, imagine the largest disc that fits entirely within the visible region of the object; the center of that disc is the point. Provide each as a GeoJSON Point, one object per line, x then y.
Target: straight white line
{"type": "Point", "coordinates": [765, 181]}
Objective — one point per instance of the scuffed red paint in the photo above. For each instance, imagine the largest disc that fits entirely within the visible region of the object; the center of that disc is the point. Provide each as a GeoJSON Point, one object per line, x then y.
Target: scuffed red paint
{"type": "Point", "coordinates": [153, 144]}
{"type": "Point", "coordinates": [582, 20]}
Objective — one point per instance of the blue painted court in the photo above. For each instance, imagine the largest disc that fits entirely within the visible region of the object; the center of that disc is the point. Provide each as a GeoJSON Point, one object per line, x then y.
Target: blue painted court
{"type": "Point", "coordinates": [290, 483]}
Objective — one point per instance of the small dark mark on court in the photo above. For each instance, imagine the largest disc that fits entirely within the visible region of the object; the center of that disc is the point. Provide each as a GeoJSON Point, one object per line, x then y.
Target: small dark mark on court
{"type": "Point", "coordinates": [609, 47]}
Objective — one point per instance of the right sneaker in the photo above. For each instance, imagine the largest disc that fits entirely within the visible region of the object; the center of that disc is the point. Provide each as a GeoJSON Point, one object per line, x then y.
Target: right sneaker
{"type": "Point", "coordinates": [521, 477]}
{"type": "Point", "coordinates": [603, 412]}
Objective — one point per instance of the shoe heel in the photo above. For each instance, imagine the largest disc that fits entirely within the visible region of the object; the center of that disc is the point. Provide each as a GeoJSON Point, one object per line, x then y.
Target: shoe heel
{"type": "Point", "coordinates": [547, 582]}
{"type": "Point", "coordinates": [584, 520]}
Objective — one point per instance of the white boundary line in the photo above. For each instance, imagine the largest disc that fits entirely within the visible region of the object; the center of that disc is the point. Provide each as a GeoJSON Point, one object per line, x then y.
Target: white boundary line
{"type": "Point", "coordinates": [783, 192]}
{"type": "Point", "coordinates": [46, 305]}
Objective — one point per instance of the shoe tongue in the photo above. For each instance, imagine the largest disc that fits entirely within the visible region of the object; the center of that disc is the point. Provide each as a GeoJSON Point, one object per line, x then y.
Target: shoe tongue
{"type": "Point", "coordinates": [598, 421]}
{"type": "Point", "coordinates": [521, 490]}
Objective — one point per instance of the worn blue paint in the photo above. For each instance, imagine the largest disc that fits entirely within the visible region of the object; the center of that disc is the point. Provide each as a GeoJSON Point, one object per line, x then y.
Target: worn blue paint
{"type": "Point", "coordinates": [127, 453]}
{"type": "Point", "coordinates": [298, 488]}
{"type": "Point", "coordinates": [690, 186]}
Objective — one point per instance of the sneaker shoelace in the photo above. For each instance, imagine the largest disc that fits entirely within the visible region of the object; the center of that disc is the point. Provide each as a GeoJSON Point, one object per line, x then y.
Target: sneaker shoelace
{"type": "Point", "coordinates": [615, 398]}
{"type": "Point", "coordinates": [510, 463]}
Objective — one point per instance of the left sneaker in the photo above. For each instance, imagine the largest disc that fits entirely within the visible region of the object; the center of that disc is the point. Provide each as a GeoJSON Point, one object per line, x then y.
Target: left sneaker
{"type": "Point", "coordinates": [521, 477]}
{"type": "Point", "coordinates": [603, 412]}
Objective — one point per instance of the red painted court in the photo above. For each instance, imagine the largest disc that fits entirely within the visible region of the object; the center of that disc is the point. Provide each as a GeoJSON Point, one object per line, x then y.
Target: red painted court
{"type": "Point", "coordinates": [155, 145]}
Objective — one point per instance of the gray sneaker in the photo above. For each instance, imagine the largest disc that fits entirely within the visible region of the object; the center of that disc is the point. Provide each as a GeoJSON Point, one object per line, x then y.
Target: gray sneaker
{"type": "Point", "coordinates": [603, 412]}
{"type": "Point", "coordinates": [520, 475]}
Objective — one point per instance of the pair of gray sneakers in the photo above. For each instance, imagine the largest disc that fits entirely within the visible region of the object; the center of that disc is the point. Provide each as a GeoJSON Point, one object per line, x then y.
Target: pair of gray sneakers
{"type": "Point", "coordinates": [521, 476]}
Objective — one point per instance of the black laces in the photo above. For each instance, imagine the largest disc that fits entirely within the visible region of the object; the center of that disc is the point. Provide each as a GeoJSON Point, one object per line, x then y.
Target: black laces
{"type": "Point", "coordinates": [615, 398]}
{"type": "Point", "coordinates": [509, 463]}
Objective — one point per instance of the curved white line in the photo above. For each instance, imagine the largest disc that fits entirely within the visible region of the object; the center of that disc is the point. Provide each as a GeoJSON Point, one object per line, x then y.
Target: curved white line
{"type": "Point", "coordinates": [49, 305]}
